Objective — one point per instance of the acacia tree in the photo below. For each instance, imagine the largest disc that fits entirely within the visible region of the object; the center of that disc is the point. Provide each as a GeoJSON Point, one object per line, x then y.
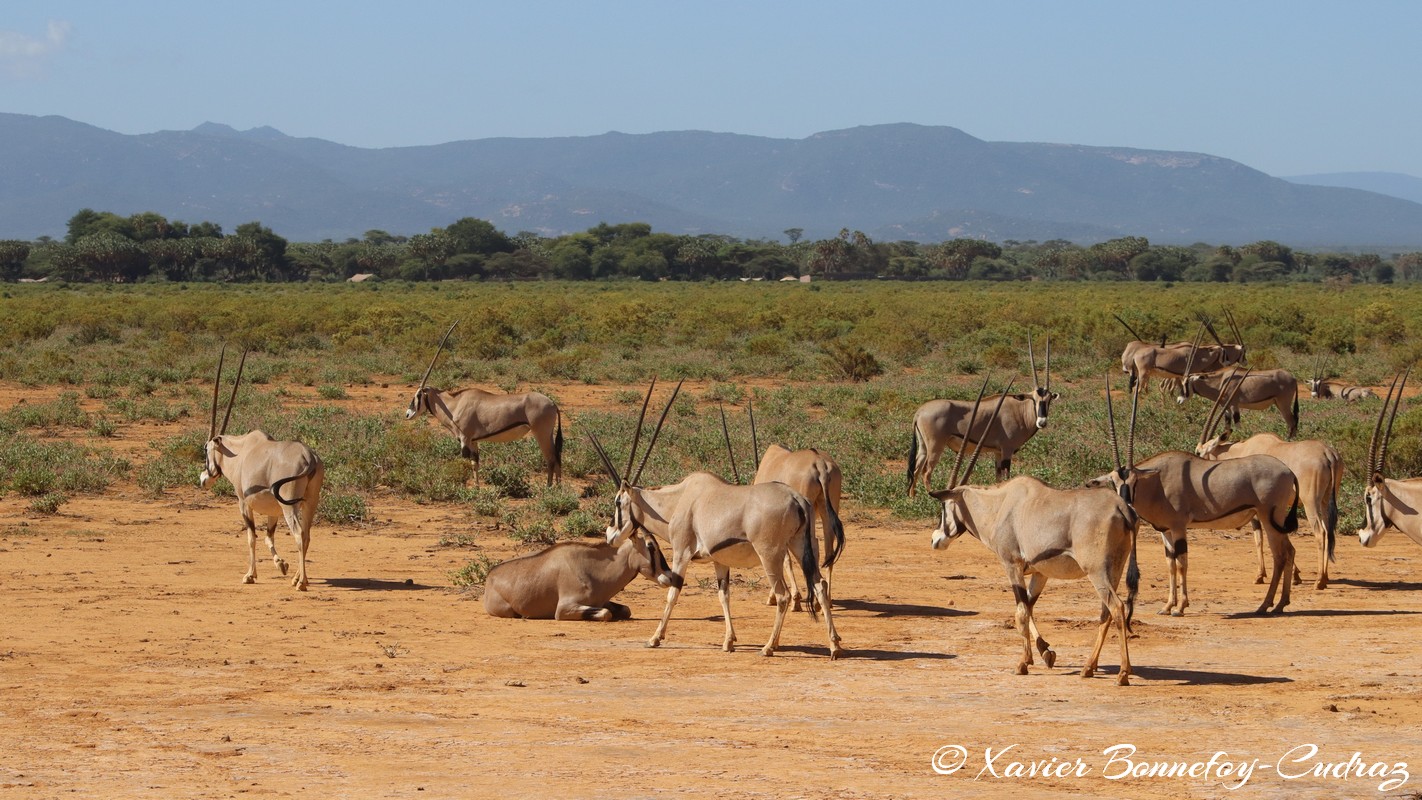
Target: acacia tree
{"type": "Point", "coordinates": [13, 255]}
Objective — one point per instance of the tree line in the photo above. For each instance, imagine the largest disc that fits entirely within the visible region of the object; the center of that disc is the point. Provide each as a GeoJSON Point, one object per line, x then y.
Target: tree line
{"type": "Point", "coordinates": [102, 246]}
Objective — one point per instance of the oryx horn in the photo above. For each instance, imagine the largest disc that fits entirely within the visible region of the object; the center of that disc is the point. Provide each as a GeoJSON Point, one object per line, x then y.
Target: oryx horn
{"type": "Point", "coordinates": [438, 350]}
{"type": "Point", "coordinates": [606, 461]}
{"type": "Point", "coordinates": [755, 442]}
{"type": "Point", "coordinates": [968, 434]}
{"type": "Point", "coordinates": [1229, 388]}
{"type": "Point", "coordinates": [1238, 335]}
{"type": "Point", "coordinates": [1047, 364]}
{"type": "Point", "coordinates": [1131, 432]}
{"type": "Point", "coordinates": [978, 448]}
{"type": "Point", "coordinates": [637, 436]}
{"type": "Point", "coordinates": [657, 432]}
{"type": "Point", "coordinates": [1194, 347]}
{"type": "Point", "coordinates": [1387, 435]}
{"type": "Point", "coordinates": [1033, 359]}
{"type": "Point", "coordinates": [730, 452]}
{"type": "Point", "coordinates": [216, 387]}
{"type": "Point", "coordinates": [232, 398]}
{"type": "Point", "coordinates": [1129, 328]}
{"type": "Point", "coordinates": [1111, 419]}
{"type": "Point", "coordinates": [1209, 326]}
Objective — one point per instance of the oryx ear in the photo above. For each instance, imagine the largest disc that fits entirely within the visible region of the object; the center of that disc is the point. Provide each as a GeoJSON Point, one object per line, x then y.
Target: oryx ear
{"type": "Point", "coordinates": [1056, 395]}
{"type": "Point", "coordinates": [942, 494]}
{"type": "Point", "coordinates": [1378, 478]}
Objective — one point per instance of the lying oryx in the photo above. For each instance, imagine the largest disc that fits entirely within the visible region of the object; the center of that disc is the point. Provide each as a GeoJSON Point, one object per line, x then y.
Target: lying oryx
{"type": "Point", "coordinates": [573, 580]}
{"type": "Point", "coordinates": [271, 478]}
{"type": "Point", "coordinates": [1256, 390]}
{"type": "Point", "coordinates": [1140, 359]}
{"type": "Point", "coordinates": [1389, 502]}
{"type": "Point", "coordinates": [703, 517]}
{"type": "Point", "coordinates": [474, 416]}
{"type": "Point", "coordinates": [1176, 491]}
{"type": "Point", "coordinates": [1316, 465]}
{"type": "Point", "coordinates": [944, 423]}
{"type": "Point", "coordinates": [1039, 533]}
{"type": "Point", "coordinates": [1322, 389]}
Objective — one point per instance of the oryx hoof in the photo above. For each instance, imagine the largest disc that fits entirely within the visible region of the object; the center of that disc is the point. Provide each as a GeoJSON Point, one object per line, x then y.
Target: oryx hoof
{"type": "Point", "coordinates": [1088, 671]}
{"type": "Point", "coordinates": [1049, 657]}
{"type": "Point", "coordinates": [281, 565]}
{"type": "Point", "coordinates": [1022, 668]}
{"type": "Point", "coordinates": [729, 646]}
{"type": "Point", "coordinates": [1179, 612]}
{"type": "Point", "coordinates": [1124, 679]}
{"type": "Point", "coordinates": [1166, 611]}
{"type": "Point", "coordinates": [602, 615]}
{"type": "Point", "coordinates": [771, 601]}
{"type": "Point", "coordinates": [767, 651]}
{"type": "Point", "coordinates": [836, 651]}
{"type": "Point", "coordinates": [654, 642]}
{"type": "Point", "coordinates": [1321, 584]}
{"type": "Point", "coordinates": [249, 578]}
{"type": "Point", "coordinates": [1259, 579]}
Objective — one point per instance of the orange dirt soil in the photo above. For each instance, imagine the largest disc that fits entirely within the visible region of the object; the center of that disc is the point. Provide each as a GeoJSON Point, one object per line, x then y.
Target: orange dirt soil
{"type": "Point", "coordinates": [133, 663]}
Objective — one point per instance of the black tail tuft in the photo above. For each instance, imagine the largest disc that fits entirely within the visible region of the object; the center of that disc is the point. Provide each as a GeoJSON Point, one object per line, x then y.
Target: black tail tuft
{"type": "Point", "coordinates": [558, 443]}
{"type": "Point", "coordinates": [835, 532]}
{"type": "Point", "coordinates": [1332, 524]}
{"type": "Point", "coordinates": [807, 559]}
{"type": "Point", "coordinates": [1133, 582]}
{"type": "Point", "coordinates": [912, 458]}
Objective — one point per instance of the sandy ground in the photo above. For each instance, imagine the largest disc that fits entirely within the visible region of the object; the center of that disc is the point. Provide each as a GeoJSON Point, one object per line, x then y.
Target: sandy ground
{"type": "Point", "coordinates": [133, 663]}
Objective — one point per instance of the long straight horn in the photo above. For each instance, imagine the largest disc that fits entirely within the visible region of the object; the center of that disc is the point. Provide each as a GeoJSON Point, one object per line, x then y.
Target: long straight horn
{"type": "Point", "coordinates": [968, 434]}
{"type": "Point", "coordinates": [730, 452]}
{"type": "Point", "coordinates": [1387, 437]}
{"type": "Point", "coordinates": [972, 462]}
{"type": "Point", "coordinates": [1209, 326]}
{"type": "Point", "coordinates": [606, 461]}
{"type": "Point", "coordinates": [1238, 334]}
{"type": "Point", "coordinates": [1373, 461]}
{"type": "Point", "coordinates": [438, 350]}
{"type": "Point", "coordinates": [233, 397]}
{"type": "Point", "coordinates": [1194, 348]}
{"type": "Point", "coordinates": [1111, 418]}
{"type": "Point", "coordinates": [637, 436]}
{"type": "Point", "coordinates": [657, 432]}
{"type": "Point", "coordinates": [1033, 359]}
{"type": "Point", "coordinates": [1131, 433]}
{"type": "Point", "coordinates": [1047, 367]}
{"type": "Point", "coordinates": [216, 386]}
{"type": "Point", "coordinates": [1129, 328]}
{"type": "Point", "coordinates": [755, 442]}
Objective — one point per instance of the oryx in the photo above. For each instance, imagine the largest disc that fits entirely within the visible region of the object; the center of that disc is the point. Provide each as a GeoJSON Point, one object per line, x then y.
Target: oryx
{"type": "Point", "coordinates": [1176, 491]}
{"type": "Point", "coordinates": [1389, 502]}
{"type": "Point", "coordinates": [703, 517]}
{"type": "Point", "coordinates": [1256, 390]}
{"type": "Point", "coordinates": [1140, 359]}
{"type": "Point", "coordinates": [815, 475]}
{"type": "Point", "coordinates": [1038, 533]}
{"type": "Point", "coordinates": [573, 580]}
{"type": "Point", "coordinates": [944, 423]}
{"type": "Point", "coordinates": [271, 478]}
{"type": "Point", "coordinates": [474, 416]}
{"type": "Point", "coordinates": [1320, 387]}
{"type": "Point", "coordinates": [1317, 466]}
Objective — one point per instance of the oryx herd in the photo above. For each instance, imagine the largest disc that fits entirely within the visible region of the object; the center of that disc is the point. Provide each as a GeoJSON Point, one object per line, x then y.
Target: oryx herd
{"type": "Point", "coordinates": [1037, 531]}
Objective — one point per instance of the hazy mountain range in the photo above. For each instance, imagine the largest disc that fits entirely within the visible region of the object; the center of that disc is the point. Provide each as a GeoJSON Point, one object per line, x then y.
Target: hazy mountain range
{"type": "Point", "coordinates": [892, 182]}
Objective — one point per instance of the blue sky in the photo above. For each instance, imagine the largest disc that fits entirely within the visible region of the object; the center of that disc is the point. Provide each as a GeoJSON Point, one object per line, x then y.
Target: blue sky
{"type": "Point", "coordinates": [1286, 87]}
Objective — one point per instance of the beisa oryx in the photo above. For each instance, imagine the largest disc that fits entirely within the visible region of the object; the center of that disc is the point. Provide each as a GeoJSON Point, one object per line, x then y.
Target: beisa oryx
{"type": "Point", "coordinates": [939, 424]}
{"type": "Point", "coordinates": [1323, 388]}
{"type": "Point", "coordinates": [1255, 390]}
{"type": "Point", "coordinates": [275, 479]}
{"type": "Point", "coordinates": [474, 416]}
{"type": "Point", "coordinates": [1389, 502]}
{"type": "Point", "coordinates": [1317, 466]}
{"type": "Point", "coordinates": [1038, 532]}
{"type": "Point", "coordinates": [1141, 360]}
{"type": "Point", "coordinates": [812, 473]}
{"type": "Point", "coordinates": [703, 517]}
{"type": "Point", "coordinates": [573, 580]}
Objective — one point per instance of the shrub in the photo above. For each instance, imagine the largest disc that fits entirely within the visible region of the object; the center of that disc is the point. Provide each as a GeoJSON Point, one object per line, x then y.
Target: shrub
{"type": "Point", "coordinates": [852, 361]}
{"type": "Point", "coordinates": [342, 507]}
{"type": "Point", "coordinates": [473, 573]}
{"type": "Point", "coordinates": [48, 503]}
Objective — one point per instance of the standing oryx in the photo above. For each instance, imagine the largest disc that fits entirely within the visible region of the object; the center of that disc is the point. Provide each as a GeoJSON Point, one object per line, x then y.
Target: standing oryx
{"type": "Point", "coordinates": [703, 517]}
{"type": "Point", "coordinates": [1254, 390]}
{"type": "Point", "coordinates": [474, 416]}
{"type": "Point", "coordinates": [1039, 533]}
{"type": "Point", "coordinates": [1140, 359]}
{"type": "Point", "coordinates": [945, 423]}
{"type": "Point", "coordinates": [1316, 465]}
{"type": "Point", "coordinates": [1389, 502]}
{"type": "Point", "coordinates": [261, 470]}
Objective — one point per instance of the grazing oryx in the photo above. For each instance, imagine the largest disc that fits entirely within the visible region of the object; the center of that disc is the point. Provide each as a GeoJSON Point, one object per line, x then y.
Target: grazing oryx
{"type": "Point", "coordinates": [1176, 491]}
{"type": "Point", "coordinates": [1140, 359]}
{"type": "Point", "coordinates": [271, 478]}
{"type": "Point", "coordinates": [1255, 390]}
{"type": "Point", "coordinates": [945, 423]}
{"type": "Point", "coordinates": [1389, 502]}
{"type": "Point", "coordinates": [1039, 533]}
{"type": "Point", "coordinates": [812, 473]}
{"type": "Point", "coordinates": [474, 416]}
{"type": "Point", "coordinates": [573, 580]}
{"type": "Point", "coordinates": [1316, 465]}
{"type": "Point", "coordinates": [703, 517]}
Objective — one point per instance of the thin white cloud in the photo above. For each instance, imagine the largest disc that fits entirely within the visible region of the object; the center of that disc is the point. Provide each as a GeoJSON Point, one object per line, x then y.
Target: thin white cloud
{"type": "Point", "coordinates": [22, 55]}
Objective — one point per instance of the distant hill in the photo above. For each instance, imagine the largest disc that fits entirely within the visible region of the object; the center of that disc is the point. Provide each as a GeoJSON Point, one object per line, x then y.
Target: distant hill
{"type": "Point", "coordinates": [893, 182]}
{"type": "Point", "coordinates": [1393, 184]}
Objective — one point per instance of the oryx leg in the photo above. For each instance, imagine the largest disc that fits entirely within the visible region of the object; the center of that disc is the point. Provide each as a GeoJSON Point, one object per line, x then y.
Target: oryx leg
{"type": "Point", "coordinates": [1036, 583]}
{"type": "Point", "coordinates": [1111, 608]}
{"type": "Point", "coordinates": [680, 561]}
{"type": "Point", "coordinates": [723, 593]}
{"type": "Point", "coordinates": [1259, 550]}
{"type": "Point", "coordinates": [470, 450]}
{"type": "Point", "coordinates": [1023, 615]}
{"type": "Point", "coordinates": [1004, 467]}
{"type": "Point", "coordinates": [302, 534]}
{"type": "Point", "coordinates": [822, 594]}
{"type": "Point", "coordinates": [573, 610]}
{"type": "Point", "coordinates": [251, 526]}
{"type": "Point", "coordinates": [1283, 551]}
{"type": "Point", "coordinates": [1177, 553]}
{"type": "Point", "coordinates": [278, 561]}
{"type": "Point", "coordinates": [543, 434]}
{"type": "Point", "coordinates": [1320, 535]}
{"type": "Point", "coordinates": [773, 564]}
{"type": "Point", "coordinates": [790, 566]}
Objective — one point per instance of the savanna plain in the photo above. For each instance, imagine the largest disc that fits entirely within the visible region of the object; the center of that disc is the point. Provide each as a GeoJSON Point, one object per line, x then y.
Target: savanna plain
{"type": "Point", "coordinates": [134, 662]}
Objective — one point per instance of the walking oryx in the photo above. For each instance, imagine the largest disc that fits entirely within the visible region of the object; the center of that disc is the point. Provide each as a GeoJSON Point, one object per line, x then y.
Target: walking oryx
{"type": "Point", "coordinates": [263, 470]}
{"type": "Point", "coordinates": [1176, 491]}
{"type": "Point", "coordinates": [1140, 359]}
{"type": "Point", "coordinates": [1389, 502]}
{"type": "Point", "coordinates": [573, 580]}
{"type": "Point", "coordinates": [703, 517]}
{"type": "Point", "coordinates": [474, 416]}
{"type": "Point", "coordinates": [812, 473]}
{"type": "Point", "coordinates": [1316, 465]}
{"type": "Point", "coordinates": [1256, 390]}
{"type": "Point", "coordinates": [1039, 533]}
{"type": "Point", "coordinates": [945, 423]}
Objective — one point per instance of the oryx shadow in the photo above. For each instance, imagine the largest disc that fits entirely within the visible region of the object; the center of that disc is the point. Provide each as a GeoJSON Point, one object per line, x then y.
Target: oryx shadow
{"type": "Point", "coordinates": [1321, 612]}
{"type": "Point", "coordinates": [375, 585]}
{"type": "Point", "coordinates": [1193, 677]}
{"type": "Point", "coordinates": [899, 609]}
{"type": "Point", "coordinates": [866, 653]}
{"type": "Point", "coordinates": [1385, 586]}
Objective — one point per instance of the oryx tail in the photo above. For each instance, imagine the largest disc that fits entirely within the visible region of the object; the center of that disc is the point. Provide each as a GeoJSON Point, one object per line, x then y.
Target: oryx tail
{"type": "Point", "coordinates": [1291, 522]}
{"type": "Point", "coordinates": [1332, 524]}
{"type": "Point", "coordinates": [836, 527]}
{"type": "Point", "coordinates": [276, 487]}
{"type": "Point", "coordinates": [558, 442]}
{"type": "Point", "coordinates": [1133, 581]}
{"type": "Point", "coordinates": [807, 557]}
{"type": "Point", "coordinates": [915, 444]}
